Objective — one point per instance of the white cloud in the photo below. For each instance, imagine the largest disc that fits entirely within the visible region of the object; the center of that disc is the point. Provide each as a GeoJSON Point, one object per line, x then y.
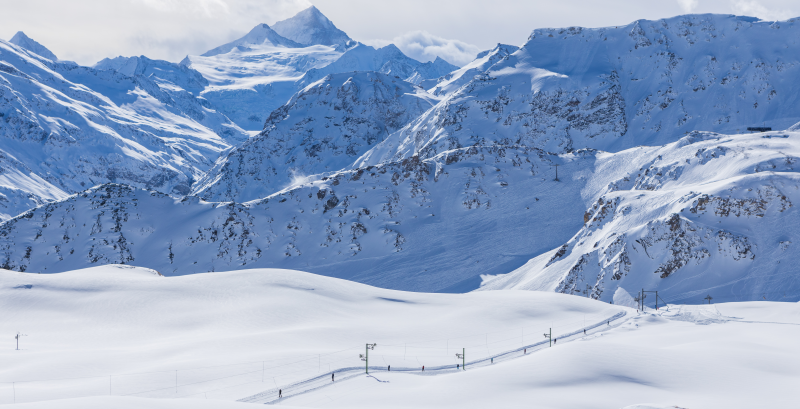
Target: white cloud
{"type": "Point", "coordinates": [206, 8]}
{"type": "Point", "coordinates": [688, 6]}
{"type": "Point", "coordinates": [755, 8]}
{"type": "Point", "coordinates": [424, 46]}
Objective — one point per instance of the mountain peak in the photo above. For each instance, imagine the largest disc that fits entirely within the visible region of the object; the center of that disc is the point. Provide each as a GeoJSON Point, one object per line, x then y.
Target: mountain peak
{"type": "Point", "coordinates": [22, 40]}
{"type": "Point", "coordinates": [260, 35]}
{"type": "Point", "coordinates": [311, 27]}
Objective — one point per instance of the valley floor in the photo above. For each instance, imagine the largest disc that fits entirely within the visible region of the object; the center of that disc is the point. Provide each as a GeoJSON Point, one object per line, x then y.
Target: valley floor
{"type": "Point", "coordinates": [207, 340]}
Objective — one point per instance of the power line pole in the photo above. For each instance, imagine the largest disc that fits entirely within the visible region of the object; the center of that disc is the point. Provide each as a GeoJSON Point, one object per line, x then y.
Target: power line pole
{"type": "Point", "coordinates": [365, 357]}
{"type": "Point", "coordinates": [556, 179]}
{"type": "Point", "coordinates": [17, 338]}
{"type": "Point", "coordinates": [709, 298]}
{"type": "Point", "coordinates": [550, 336]}
{"type": "Point", "coordinates": [463, 360]}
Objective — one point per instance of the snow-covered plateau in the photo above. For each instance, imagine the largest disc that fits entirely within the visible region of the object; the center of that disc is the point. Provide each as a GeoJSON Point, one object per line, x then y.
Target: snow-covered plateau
{"type": "Point", "coordinates": [126, 337]}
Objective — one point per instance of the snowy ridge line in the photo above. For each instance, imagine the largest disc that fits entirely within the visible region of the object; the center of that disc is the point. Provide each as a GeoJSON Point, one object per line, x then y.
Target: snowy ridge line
{"type": "Point", "coordinates": [320, 381]}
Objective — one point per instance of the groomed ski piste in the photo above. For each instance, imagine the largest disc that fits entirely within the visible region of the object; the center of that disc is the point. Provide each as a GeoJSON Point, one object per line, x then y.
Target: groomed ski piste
{"type": "Point", "coordinates": [126, 337]}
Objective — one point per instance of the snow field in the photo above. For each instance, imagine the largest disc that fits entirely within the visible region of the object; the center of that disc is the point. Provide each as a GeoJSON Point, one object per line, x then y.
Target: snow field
{"type": "Point", "coordinates": [126, 331]}
{"type": "Point", "coordinates": [284, 327]}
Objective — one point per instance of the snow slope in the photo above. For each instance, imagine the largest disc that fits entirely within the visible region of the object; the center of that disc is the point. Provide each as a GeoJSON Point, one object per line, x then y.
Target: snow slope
{"type": "Point", "coordinates": [323, 128]}
{"type": "Point", "coordinates": [153, 341]}
{"type": "Point", "coordinates": [260, 36]}
{"type": "Point", "coordinates": [21, 188]}
{"type": "Point", "coordinates": [483, 62]}
{"type": "Point", "coordinates": [387, 60]}
{"type": "Point", "coordinates": [615, 88]}
{"type": "Point", "coordinates": [710, 214]}
{"type": "Point", "coordinates": [311, 27]}
{"type": "Point", "coordinates": [75, 127]}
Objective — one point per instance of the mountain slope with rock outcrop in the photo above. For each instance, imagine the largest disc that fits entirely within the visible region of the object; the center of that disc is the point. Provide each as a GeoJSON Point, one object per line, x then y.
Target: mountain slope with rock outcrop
{"type": "Point", "coordinates": [321, 129]}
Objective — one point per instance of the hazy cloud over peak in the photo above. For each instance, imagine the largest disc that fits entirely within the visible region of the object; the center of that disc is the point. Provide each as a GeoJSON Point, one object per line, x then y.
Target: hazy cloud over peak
{"type": "Point", "coordinates": [424, 46]}
{"type": "Point", "coordinates": [688, 6]}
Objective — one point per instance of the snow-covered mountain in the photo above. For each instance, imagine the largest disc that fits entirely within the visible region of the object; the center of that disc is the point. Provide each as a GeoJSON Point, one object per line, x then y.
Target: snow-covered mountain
{"type": "Point", "coordinates": [456, 79]}
{"type": "Point", "coordinates": [615, 88]}
{"type": "Point", "coordinates": [311, 27]}
{"type": "Point", "coordinates": [258, 73]}
{"type": "Point", "coordinates": [467, 188]}
{"type": "Point", "coordinates": [23, 41]}
{"type": "Point", "coordinates": [260, 36]}
{"type": "Point", "coordinates": [75, 127]}
{"type": "Point", "coordinates": [387, 60]}
{"type": "Point", "coordinates": [709, 214]}
{"type": "Point", "coordinates": [419, 225]}
{"type": "Point", "coordinates": [323, 128]}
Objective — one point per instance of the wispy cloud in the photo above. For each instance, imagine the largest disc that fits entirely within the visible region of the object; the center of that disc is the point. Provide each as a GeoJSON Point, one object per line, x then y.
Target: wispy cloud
{"type": "Point", "coordinates": [424, 46]}
{"type": "Point", "coordinates": [206, 8]}
{"type": "Point", "coordinates": [757, 9]}
{"type": "Point", "coordinates": [688, 6]}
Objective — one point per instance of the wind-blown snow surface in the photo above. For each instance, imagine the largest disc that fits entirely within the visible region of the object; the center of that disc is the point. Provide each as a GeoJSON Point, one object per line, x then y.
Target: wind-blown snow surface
{"type": "Point", "coordinates": [615, 88]}
{"type": "Point", "coordinates": [74, 127]}
{"type": "Point", "coordinates": [225, 336]}
{"type": "Point", "coordinates": [323, 128]}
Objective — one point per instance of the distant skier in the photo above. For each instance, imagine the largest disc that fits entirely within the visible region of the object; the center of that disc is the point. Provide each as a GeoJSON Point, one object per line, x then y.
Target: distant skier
{"type": "Point", "coordinates": [332, 380]}
{"type": "Point", "coordinates": [525, 352]}
{"type": "Point", "coordinates": [390, 368]}
{"type": "Point", "coordinates": [492, 360]}
{"type": "Point", "coordinates": [584, 332]}
{"type": "Point", "coordinates": [555, 340]}
{"type": "Point", "coordinates": [280, 393]}
{"type": "Point", "coordinates": [423, 368]}
{"type": "Point", "coordinates": [457, 366]}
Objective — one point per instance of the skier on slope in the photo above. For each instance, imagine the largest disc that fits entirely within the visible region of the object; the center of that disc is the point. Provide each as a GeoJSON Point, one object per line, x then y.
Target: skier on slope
{"type": "Point", "coordinates": [280, 393]}
{"type": "Point", "coordinates": [332, 377]}
{"type": "Point", "coordinates": [390, 368]}
{"type": "Point", "coordinates": [555, 340]}
{"type": "Point", "coordinates": [423, 368]}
